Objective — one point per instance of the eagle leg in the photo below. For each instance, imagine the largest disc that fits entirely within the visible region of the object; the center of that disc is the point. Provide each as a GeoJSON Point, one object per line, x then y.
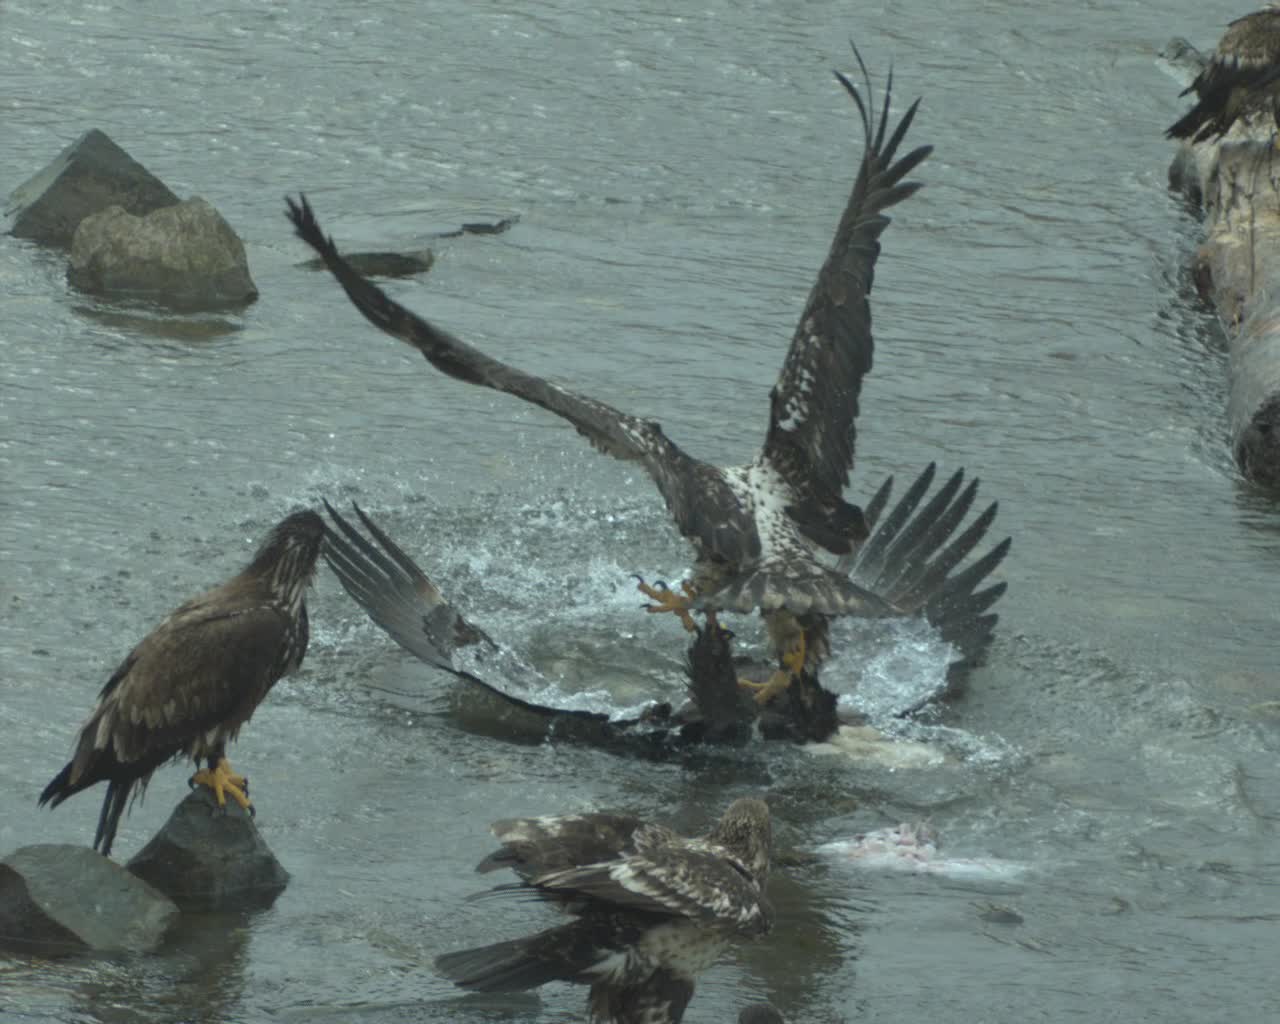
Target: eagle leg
{"type": "Point", "coordinates": [667, 600]}
{"type": "Point", "coordinates": [792, 666]}
{"type": "Point", "coordinates": [224, 782]}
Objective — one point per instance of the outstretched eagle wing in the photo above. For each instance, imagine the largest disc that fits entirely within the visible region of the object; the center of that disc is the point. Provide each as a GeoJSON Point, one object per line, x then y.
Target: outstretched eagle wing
{"type": "Point", "coordinates": [397, 595]}
{"type": "Point", "coordinates": [814, 404]}
{"type": "Point", "coordinates": [701, 502]}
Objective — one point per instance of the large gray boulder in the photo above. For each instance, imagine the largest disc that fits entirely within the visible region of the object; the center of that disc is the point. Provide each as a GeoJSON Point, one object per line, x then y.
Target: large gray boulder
{"type": "Point", "coordinates": [208, 858]}
{"type": "Point", "coordinates": [56, 898]}
{"type": "Point", "coordinates": [88, 176]}
{"type": "Point", "coordinates": [184, 256]}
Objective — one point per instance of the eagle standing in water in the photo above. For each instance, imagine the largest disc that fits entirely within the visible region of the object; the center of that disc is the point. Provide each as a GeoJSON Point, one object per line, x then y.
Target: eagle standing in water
{"type": "Point", "coordinates": [195, 679]}
{"type": "Point", "coordinates": [770, 534]}
{"type": "Point", "coordinates": [1241, 81]}
{"type": "Point", "coordinates": [653, 909]}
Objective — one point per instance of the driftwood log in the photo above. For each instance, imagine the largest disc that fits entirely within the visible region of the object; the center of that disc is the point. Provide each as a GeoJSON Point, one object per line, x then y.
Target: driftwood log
{"type": "Point", "coordinates": [1237, 269]}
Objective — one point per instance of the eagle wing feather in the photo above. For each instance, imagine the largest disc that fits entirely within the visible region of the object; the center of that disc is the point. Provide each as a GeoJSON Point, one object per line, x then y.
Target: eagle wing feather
{"type": "Point", "coordinates": [680, 880]}
{"type": "Point", "coordinates": [701, 502]}
{"type": "Point", "coordinates": [814, 405]}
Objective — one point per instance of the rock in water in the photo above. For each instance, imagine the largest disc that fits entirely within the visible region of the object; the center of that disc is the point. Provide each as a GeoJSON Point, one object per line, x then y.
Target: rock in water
{"type": "Point", "coordinates": [384, 264]}
{"type": "Point", "coordinates": [208, 858]}
{"type": "Point", "coordinates": [57, 898]}
{"type": "Point", "coordinates": [184, 256]}
{"type": "Point", "coordinates": [88, 176]}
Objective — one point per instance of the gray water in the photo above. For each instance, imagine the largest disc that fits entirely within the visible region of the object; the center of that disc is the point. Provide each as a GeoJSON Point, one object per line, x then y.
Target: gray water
{"type": "Point", "coordinates": [677, 176]}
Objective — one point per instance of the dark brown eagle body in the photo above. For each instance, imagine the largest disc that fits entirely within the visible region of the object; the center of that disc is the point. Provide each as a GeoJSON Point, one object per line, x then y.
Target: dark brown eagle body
{"type": "Point", "coordinates": [1240, 83]}
{"type": "Point", "coordinates": [652, 909]}
{"type": "Point", "coordinates": [190, 685]}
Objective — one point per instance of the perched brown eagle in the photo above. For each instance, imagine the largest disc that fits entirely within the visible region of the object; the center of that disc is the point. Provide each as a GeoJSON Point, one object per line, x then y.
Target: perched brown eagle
{"type": "Point", "coordinates": [652, 909]}
{"type": "Point", "coordinates": [770, 534]}
{"type": "Point", "coordinates": [1241, 81]}
{"type": "Point", "coordinates": [195, 679]}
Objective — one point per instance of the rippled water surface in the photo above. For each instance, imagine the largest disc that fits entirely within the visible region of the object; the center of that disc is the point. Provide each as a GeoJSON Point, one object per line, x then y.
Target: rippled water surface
{"type": "Point", "coordinates": [677, 177]}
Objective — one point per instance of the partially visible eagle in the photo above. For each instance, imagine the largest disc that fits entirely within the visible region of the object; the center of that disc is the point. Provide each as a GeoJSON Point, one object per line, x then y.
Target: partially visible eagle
{"type": "Point", "coordinates": [652, 909]}
{"type": "Point", "coordinates": [769, 534]}
{"type": "Point", "coordinates": [1241, 81]}
{"type": "Point", "coordinates": [759, 1013]}
{"type": "Point", "coordinates": [195, 679]}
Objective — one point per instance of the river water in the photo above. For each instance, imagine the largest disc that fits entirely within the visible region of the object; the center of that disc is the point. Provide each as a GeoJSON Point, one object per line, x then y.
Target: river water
{"type": "Point", "coordinates": [677, 172]}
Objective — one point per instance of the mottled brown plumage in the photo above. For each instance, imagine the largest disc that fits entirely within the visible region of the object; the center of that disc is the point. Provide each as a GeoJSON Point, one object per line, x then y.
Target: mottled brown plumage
{"type": "Point", "coordinates": [652, 909]}
{"type": "Point", "coordinates": [195, 679]}
{"type": "Point", "coordinates": [1240, 83]}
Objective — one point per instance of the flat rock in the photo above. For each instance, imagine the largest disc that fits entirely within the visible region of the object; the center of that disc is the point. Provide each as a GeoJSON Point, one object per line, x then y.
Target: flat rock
{"type": "Point", "coordinates": [383, 264]}
{"type": "Point", "coordinates": [184, 256]}
{"type": "Point", "coordinates": [56, 898]}
{"type": "Point", "coordinates": [88, 176]}
{"type": "Point", "coordinates": [208, 858]}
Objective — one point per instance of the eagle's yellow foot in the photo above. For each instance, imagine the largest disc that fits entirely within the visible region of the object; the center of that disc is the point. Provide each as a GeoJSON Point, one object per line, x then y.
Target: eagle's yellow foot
{"type": "Point", "coordinates": [667, 600]}
{"type": "Point", "coordinates": [792, 666]}
{"type": "Point", "coordinates": [225, 783]}
{"type": "Point", "coordinates": [770, 688]}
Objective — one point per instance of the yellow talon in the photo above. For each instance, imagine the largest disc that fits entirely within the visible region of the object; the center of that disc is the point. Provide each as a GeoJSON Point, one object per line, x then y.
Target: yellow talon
{"type": "Point", "coordinates": [792, 666]}
{"type": "Point", "coordinates": [667, 600]}
{"type": "Point", "coordinates": [224, 782]}
{"type": "Point", "coordinates": [770, 688]}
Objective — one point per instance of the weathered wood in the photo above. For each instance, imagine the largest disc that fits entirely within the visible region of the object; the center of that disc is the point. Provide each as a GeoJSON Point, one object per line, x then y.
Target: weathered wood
{"type": "Point", "coordinates": [1237, 269]}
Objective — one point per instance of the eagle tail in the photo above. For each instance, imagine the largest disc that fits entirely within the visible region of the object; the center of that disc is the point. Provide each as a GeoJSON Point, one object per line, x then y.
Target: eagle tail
{"type": "Point", "coordinates": [913, 556]}
{"type": "Point", "coordinates": [1188, 126]}
{"type": "Point", "coordinates": [60, 788]}
{"type": "Point", "coordinates": [113, 805]}
{"type": "Point", "coordinates": [1226, 91]}
{"type": "Point", "coordinates": [119, 787]}
{"type": "Point", "coordinates": [516, 965]}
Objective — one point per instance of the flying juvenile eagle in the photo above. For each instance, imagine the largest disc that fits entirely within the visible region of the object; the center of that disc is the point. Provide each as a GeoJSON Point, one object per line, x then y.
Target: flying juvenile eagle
{"type": "Point", "coordinates": [195, 679]}
{"type": "Point", "coordinates": [1241, 81]}
{"type": "Point", "coordinates": [652, 909]}
{"type": "Point", "coordinates": [769, 534]}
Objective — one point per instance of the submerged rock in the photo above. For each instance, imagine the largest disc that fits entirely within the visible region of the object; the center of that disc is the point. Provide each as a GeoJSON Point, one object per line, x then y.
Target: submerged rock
{"type": "Point", "coordinates": [208, 858]}
{"type": "Point", "coordinates": [90, 175]}
{"type": "Point", "coordinates": [759, 1013]}
{"type": "Point", "coordinates": [384, 264]}
{"type": "Point", "coordinates": [184, 256]}
{"type": "Point", "coordinates": [58, 898]}
{"type": "Point", "coordinates": [477, 228]}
